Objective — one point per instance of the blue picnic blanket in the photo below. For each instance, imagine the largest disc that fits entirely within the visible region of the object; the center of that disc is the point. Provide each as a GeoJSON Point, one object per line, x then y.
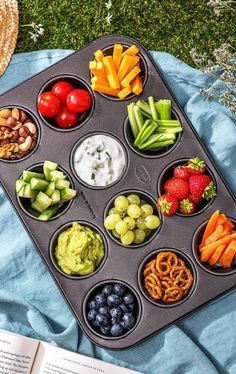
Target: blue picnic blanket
{"type": "Point", "coordinates": [30, 303]}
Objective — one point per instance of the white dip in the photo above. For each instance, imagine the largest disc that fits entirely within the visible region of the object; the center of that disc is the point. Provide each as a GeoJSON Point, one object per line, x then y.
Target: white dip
{"type": "Point", "coordinates": [99, 160]}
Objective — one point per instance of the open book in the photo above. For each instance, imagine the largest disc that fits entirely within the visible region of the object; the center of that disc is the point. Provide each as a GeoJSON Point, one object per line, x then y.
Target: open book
{"type": "Point", "coordinates": [21, 355]}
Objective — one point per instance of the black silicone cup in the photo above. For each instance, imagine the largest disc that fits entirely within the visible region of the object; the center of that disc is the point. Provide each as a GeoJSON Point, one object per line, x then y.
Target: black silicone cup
{"type": "Point", "coordinates": [52, 246]}
{"type": "Point", "coordinates": [36, 123]}
{"type": "Point", "coordinates": [75, 148]}
{"type": "Point", "coordinates": [143, 65]}
{"type": "Point", "coordinates": [168, 173]}
{"type": "Point", "coordinates": [215, 270]}
{"type": "Point", "coordinates": [98, 288]}
{"type": "Point", "coordinates": [76, 83]}
{"type": "Point", "coordinates": [25, 203]}
{"type": "Point", "coordinates": [188, 263]}
{"type": "Point", "coordinates": [155, 153]}
{"type": "Point", "coordinates": [143, 196]}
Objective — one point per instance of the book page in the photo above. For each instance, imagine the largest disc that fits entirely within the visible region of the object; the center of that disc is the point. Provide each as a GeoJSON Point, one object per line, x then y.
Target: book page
{"type": "Point", "coordinates": [17, 353]}
{"type": "Point", "coordinates": [53, 360]}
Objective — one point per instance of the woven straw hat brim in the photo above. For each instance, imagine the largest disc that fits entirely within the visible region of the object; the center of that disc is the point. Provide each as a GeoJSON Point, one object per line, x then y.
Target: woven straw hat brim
{"type": "Point", "coordinates": [9, 24]}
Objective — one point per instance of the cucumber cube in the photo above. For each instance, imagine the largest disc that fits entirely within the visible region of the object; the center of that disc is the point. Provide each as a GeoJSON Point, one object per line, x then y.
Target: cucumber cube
{"type": "Point", "coordinates": [56, 197]}
{"type": "Point", "coordinates": [48, 166]}
{"type": "Point", "coordinates": [56, 174]}
{"type": "Point", "coordinates": [67, 194]}
{"type": "Point", "coordinates": [28, 193]}
{"type": "Point", "coordinates": [62, 183]}
{"type": "Point", "coordinates": [48, 213]}
{"type": "Point", "coordinates": [41, 202]}
{"type": "Point", "coordinates": [19, 184]}
{"type": "Point", "coordinates": [38, 184]}
{"type": "Point", "coordinates": [28, 175]}
{"type": "Point", "coordinates": [50, 189]}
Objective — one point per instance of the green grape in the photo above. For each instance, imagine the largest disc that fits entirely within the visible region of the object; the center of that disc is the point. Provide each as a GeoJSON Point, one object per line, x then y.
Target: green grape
{"type": "Point", "coordinates": [115, 234]}
{"type": "Point", "coordinates": [133, 199]}
{"type": "Point", "coordinates": [111, 221]}
{"type": "Point", "coordinates": [134, 211]}
{"type": "Point", "coordinates": [140, 223]}
{"type": "Point", "coordinates": [113, 211]}
{"type": "Point", "coordinates": [147, 232]}
{"type": "Point", "coordinates": [130, 222]}
{"type": "Point", "coordinates": [121, 227]}
{"type": "Point", "coordinates": [128, 238]}
{"type": "Point", "coordinates": [152, 222]}
{"type": "Point", "coordinates": [147, 210]}
{"type": "Point", "coordinates": [139, 236]}
{"type": "Point", "coordinates": [121, 203]}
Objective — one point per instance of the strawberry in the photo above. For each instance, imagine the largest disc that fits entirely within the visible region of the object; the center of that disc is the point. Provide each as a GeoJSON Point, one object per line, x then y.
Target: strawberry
{"type": "Point", "coordinates": [167, 204]}
{"type": "Point", "coordinates": [196, 166]}
{"type": "Point", "coordinates": [202, 186]}
{"type": "Point", "coordinates": [177, 187]}
{"type": "Point", "coordinates": [181, 172]}
{"type": "Point", "coordinates": [194, 199]}
{"type": "Point", "coordinates": [186, 206]}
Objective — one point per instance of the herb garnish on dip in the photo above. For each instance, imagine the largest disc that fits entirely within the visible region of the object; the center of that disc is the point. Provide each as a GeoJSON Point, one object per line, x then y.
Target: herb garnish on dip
{"type": "Point", "coordinates": [99, 160]}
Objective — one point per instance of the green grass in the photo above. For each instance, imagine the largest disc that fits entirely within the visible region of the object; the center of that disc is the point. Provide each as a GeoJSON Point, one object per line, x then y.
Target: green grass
{"type": "Point", "coordinates": [174, 26]}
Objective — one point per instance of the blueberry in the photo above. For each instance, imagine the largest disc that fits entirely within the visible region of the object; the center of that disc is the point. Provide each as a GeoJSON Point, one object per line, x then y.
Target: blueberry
{"type": "Point", "coordinates": [131, 307]}
{"type": "Point", "coordinates": [106, 330]}
{"type": "Point", "coordinates": [128, 299]}
{"type": "Point", "coordinates": [96, 323]}
{"type": "Point", "coordinates": [93, 305]}
{"type": "Point", "coordinates": [119, 289]}
{"type": "Point", "coordinates": [92, 315]}
{"type": "Point", "coordinates": [116, 329]}
{"type": "Point", "coordinates": [101, 320]}
{"type": "Point", "coordinates": [116, 312]}
{"type": "Point", "coordinates": [114, 300]}
{"type": "Point", "coordinates": [105, 310]}
{"type": "Point", "coordinates": [128, 321]}
{"type": "Point", "coordinates": [124, 308]}
{"type": "Point", "coordinates": [113, 320]}
{"type": "Point", "coordinates": [100, 299]}
{"type": "Point", "coordinates": [107, 290]}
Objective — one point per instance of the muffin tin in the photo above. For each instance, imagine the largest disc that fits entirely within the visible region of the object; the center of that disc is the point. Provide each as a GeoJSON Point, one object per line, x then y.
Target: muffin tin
{"type": "Point", "coordinates": [144, 173]}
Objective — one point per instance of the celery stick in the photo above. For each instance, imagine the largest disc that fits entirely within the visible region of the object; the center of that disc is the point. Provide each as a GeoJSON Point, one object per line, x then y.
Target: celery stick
{"type": "Point", "coordinates": [146, 124]}
{"type": "Point", "coordinates": [173, 130]}
{"type": "Point", "coordinates": [138, 117]}
{"type": "Point", "coordinates": [145, 114]}
{"type": "Point", "coordinates": [148, 132]}
{"type": "Point", "coordinates": [162, 144]}
{"type": "Point", "coordinates": [168, 123]}
{"type": "Point", "coordinates": [164, 109]}
{"type": "Point", "coordinates": [157, 138]}
{"type": "Point", "coordinates": [144, 106]}
{"type": "Point", "coordinates": [132, 120]}
{"type": "Point", "coordinates": [152, 107]}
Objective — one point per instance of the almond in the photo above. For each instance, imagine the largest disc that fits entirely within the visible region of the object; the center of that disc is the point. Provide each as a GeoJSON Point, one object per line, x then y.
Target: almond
{"type": "Point", "coordinates": [3, 121]}
{"type": "Point", "coordinates": [15, 113]}
{"type": "Point", "coordinates": [5, 113]}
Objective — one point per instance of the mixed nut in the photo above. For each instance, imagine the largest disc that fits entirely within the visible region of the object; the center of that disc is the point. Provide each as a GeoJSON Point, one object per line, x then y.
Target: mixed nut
{"type": "Point", "coordinates": [18, 134]}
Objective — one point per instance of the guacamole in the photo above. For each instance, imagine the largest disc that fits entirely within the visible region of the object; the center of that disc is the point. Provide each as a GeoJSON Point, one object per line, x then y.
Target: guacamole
{"type": "Point", "coordinates": [79, 250]}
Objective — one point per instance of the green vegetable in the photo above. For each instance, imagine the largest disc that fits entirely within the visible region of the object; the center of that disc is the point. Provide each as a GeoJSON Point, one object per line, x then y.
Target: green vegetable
{"type": "Point", "coordinates": [56, 197]}
{"type": "Point", "coordinates": [28, 175]}
{"type": "Point", "coordinates": [153, 108]}
{"type": "Point", "coordinates": [41, 202]}
{"type": "Point", "coordinates": [147, 133]}
{"type": "Point", "coordinates": [146, 123]}
{"type": "Point", "coordinates": [61, 184]}
{"type": "Point", "coordinates": [49, 166]}
{"type": "Point", "coordinates": [67, 194]}
{"type": "Point", "coordinates": [50, 189]}
{"type": "Point", "coordinates": [145, 108]}
{"type": "Point", "coordinates": [164, 109]}
{"type": "Point", "coordinates": [55, 174]}
{"type": "Point", "coordinates": [138, 117]}
{"type": "Point", "coordinates": [38, 184]}
{"type": "Point", "coordinates": [173, 130]}
{"type": "Point", "coordinates": [48, 213]}
{"type": "Point", "coordinates": [19, 184]}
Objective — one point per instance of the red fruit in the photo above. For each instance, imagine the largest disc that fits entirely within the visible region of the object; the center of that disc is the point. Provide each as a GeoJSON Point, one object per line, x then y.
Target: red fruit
{"type": "Point", "coordinates": [65, 118]}
{"type": "Point", "coordinates": [167, 204]}
{"type": "Point", "coordinates": [48, 104]}
{"type": "Point", "coordinates": [186, 206]}
{"type": "Point", "coordinates": [202, 186]}
{"type": "Point", "coordinates": [194, 199]}
{"type": "Point", "coordinates": [177, 187]}
{"type": "Point", "coordinates": [181, 172]}
{"type": "Point", "coordinates": [79, 100]}
{"type": "Point", "coordinates": [196, 166]}
{"type": "Point", "coordinates": [61, 90]}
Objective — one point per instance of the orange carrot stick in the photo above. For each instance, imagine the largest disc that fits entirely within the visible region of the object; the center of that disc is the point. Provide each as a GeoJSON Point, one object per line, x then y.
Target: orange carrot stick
{"type": "Point", "coordinates": [215, 235]}
{"type": "Point", "coordinates": [210, 227]}
{"type": "Point", "coordinates": [216, 255]}
{"type": "Point", "coordinates": [221, 219]}
{"type": "Point", "coordinates": [229, 224]}
{"type": "Point", "coordinates": [228, 255]}
{"type": "Point", "coordinates": [226, 240]}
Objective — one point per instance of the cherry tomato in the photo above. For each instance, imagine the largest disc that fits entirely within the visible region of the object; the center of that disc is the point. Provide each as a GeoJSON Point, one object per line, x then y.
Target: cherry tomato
{"type": "Point", "coordinates": [79, 101]}
{"type": "Point", "coordinates": [61, 90]}
{"type": "Point", "coordinates": [48, 104]}
{"type": "Point", "coordinates": [65, 118]}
